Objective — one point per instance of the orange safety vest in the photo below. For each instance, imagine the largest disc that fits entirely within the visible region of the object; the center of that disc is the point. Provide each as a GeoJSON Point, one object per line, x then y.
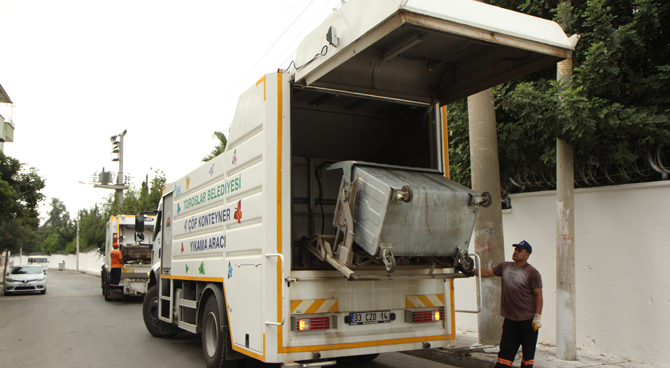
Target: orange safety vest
{"type": "Point", "coordinates": [116, 258]}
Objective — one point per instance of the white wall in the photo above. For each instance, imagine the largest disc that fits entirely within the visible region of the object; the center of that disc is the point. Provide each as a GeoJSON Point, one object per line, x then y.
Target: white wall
{"type": "Point", "coordinates": [90, 262]}
{"type": "Point", "coordinates": [622, 241]}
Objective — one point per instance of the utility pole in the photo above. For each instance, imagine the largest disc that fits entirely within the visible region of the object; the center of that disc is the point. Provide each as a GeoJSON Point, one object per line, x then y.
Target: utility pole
{"type": "Point", "coordinates": [488, 226]}
{"type": "Point", "coordinates": [78, 219]}
{"type": "Point", "coordinates": [104, 178]}
{"type": "Point", "coordinates": [489, 241]}
{"type": "Point", "coordinates": [117, 148]}
{"type": "Point", "coordinates": [566, 306]}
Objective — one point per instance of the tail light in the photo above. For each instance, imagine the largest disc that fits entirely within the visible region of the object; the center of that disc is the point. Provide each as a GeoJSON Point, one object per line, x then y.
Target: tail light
{"type": "Point", "coordinates": [312, 323]}
{"type": "Point", "coordinates": [423, 316]}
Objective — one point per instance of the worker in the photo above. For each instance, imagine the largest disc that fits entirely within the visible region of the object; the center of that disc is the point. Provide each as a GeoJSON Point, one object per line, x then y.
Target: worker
{"type": "Point", "coordinates": [117, 265]}
{"type": "Point", "coordinates": [520, 305]}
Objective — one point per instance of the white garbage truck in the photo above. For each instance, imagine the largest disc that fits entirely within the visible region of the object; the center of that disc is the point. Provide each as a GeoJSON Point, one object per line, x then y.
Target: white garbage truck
{"type": "Point", "coordinates": [135, 248]}
{"type": "Point", "coordinates": [329, 228]}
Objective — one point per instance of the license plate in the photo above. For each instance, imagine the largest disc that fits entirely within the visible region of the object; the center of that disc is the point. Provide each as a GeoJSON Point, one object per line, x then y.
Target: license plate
{"type": "Point", "coordinates": [366, 318]}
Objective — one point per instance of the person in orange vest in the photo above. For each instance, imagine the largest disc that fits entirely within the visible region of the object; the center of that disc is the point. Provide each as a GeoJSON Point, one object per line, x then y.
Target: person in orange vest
{"type": "Point", "coordinates": [117, 265]}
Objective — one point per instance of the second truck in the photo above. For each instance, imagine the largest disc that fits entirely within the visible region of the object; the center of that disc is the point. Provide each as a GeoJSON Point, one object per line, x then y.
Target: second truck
{"type": "Point", "coordinates": [136, 253]}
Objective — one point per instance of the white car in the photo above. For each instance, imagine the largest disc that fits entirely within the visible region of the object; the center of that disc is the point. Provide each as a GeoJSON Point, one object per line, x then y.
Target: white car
{"type": "Point", "coordinates": [26, 278]}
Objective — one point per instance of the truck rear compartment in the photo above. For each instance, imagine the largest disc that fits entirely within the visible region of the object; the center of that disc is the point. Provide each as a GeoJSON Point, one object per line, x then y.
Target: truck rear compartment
{"type": "Point", "coordinates": [378, 131]}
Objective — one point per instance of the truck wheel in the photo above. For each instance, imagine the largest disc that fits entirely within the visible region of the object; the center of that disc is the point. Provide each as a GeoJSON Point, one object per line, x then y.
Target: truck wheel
{"type": "Point", "coordinates": [103, 281]}
{"type": "Point", "coordinates": [105, 287]}
{"type": "Point", "coordinates": [213, 340]}
{"type": "Point", "coordinates": [150, 313]}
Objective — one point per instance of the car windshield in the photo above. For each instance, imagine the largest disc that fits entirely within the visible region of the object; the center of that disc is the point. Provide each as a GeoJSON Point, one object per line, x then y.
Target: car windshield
{"type": "Point", "coordinates": [26, 270]}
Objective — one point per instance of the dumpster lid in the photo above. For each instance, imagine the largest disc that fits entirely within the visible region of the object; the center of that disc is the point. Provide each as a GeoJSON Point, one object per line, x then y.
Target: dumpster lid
{"type": "Point", "coordinates": [426, 51]}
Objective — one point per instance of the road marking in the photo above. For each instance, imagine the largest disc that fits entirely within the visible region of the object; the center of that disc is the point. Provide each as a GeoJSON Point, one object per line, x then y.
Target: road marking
{"type": "Point", "coordinates": [47, 297]}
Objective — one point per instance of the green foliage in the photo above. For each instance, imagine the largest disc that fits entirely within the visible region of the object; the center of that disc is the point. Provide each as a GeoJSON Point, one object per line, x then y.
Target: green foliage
{"type": "Point", "coordinates": [91, 228]}
{"type": "Point", "coordinates": [20, 194]}
{"type": "Point", "coordinates": [136, 200]}
{"type": "Point", "coordinates": [617, 107]}
{"type": "Point", "coordinates": [220, 147]}
{"type": "Point", "coordinates": [57, 231]}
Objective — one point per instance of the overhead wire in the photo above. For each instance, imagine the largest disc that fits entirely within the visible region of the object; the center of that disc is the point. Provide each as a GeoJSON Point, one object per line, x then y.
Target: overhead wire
{"type": "Point", "coordinates": [261, 58]}
{"type": "Point", "coordinates": [294, 50]}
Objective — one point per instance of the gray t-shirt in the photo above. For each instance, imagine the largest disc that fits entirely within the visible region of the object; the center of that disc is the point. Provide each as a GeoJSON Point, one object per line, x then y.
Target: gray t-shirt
{"type": "Point", "coordinates": [517, 302]}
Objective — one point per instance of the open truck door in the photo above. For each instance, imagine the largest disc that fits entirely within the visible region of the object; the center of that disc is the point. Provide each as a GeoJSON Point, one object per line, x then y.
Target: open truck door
{"type": "Point", "coordinates": [426, 51]}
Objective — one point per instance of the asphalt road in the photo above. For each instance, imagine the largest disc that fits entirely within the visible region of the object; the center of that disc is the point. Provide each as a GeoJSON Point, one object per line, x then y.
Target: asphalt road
{"type": "Point", "coordinates": [72, 326]}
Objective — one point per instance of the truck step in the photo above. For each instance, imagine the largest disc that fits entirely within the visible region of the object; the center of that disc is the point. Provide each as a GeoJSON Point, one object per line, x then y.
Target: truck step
{"type": "Point", "coordinates": [188, 327]}
{"type": "Point", "coordinates": [188, 303]}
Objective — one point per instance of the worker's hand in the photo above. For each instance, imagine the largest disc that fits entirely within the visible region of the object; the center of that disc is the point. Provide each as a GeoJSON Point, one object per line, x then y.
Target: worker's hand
{"type": "Point", "coordinates": [537, 322]}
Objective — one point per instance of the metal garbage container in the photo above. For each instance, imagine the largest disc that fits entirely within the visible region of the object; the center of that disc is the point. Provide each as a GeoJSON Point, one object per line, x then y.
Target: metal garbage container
{"type": "Point", "coordinates": [61, 266]}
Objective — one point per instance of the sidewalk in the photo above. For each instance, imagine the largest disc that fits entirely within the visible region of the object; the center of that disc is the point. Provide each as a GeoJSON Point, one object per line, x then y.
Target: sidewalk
{"type": "Point", "coordinates": [545, 356]}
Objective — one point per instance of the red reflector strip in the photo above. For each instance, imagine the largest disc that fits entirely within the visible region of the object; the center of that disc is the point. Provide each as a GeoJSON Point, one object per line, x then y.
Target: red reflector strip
{"type": "Point", "coordinates": [315, 323]}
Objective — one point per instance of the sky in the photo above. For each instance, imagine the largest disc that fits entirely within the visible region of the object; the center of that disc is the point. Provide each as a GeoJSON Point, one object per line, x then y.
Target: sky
{"type": "Point", "coordinates": [168, 72]}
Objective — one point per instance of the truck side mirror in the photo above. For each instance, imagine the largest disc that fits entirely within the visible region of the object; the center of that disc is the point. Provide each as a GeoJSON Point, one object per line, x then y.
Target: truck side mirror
{"type": "Point", "coordinates": [139, 228]}
{"type": "Point", "coordinates": [139, 223]}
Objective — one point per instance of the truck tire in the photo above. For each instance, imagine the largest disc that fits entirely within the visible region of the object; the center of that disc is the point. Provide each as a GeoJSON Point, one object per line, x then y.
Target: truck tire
{"type": "Point", "coordinates": [213, 340]}
{"type": "Point", "coordinates": [103, 280]}
{"type": "Point", "coordinates": [105, 286]}
{"type": "Point", "coordinates": [150, 313]}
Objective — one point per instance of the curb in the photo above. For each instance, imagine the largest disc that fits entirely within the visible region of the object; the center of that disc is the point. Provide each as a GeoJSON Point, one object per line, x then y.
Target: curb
{"type": "Point", "coordinates": [456, 359]}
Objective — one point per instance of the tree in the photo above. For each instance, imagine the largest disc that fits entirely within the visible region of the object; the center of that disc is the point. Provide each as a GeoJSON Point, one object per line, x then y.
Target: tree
{"type": "Point", "coordinates": [20, 194]}
{"type": "Point", "coordinates": [220, 147]}
{"type": "Point", "coordinates": [92, 224]}
{"type": "Point", "coordinates": [144, 199]}
{"type": "Point", "coordinates": [615, 115]}
{"type": "Point", "coordinates": [57, 231]}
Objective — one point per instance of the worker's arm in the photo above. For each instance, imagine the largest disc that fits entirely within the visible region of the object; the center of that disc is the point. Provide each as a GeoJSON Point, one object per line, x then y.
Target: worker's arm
{"type": "Point", "coordinates": [485, 273]}
{"type": "Point", "coordinates": [537, 320]}
{"type": "Point", "coordinates": [537, 293]}
{"type": "Point", "coordinates": [121, 260]}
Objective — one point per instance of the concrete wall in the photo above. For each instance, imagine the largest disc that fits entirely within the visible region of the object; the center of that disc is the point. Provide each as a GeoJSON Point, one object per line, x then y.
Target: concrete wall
{"type": "Point", "coordinates": [622, 241]}
{"type": "Point", "coordinates": [90, 262]}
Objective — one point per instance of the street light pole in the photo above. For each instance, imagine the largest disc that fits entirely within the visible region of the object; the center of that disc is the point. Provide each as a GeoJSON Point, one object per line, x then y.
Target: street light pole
{"type": "Point", "coordinates": [79, 219]}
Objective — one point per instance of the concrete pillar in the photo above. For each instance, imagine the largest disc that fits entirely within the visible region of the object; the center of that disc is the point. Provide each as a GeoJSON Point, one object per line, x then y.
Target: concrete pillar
{"type": "Point", "coordinates": [566, 325]}
{"type": "Point", "coordinates": [489, 242]}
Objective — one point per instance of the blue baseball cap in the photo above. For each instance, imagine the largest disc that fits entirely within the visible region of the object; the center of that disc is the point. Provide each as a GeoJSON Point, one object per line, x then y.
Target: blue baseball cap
{"type": "Point", "coordinates": [523, 245]}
